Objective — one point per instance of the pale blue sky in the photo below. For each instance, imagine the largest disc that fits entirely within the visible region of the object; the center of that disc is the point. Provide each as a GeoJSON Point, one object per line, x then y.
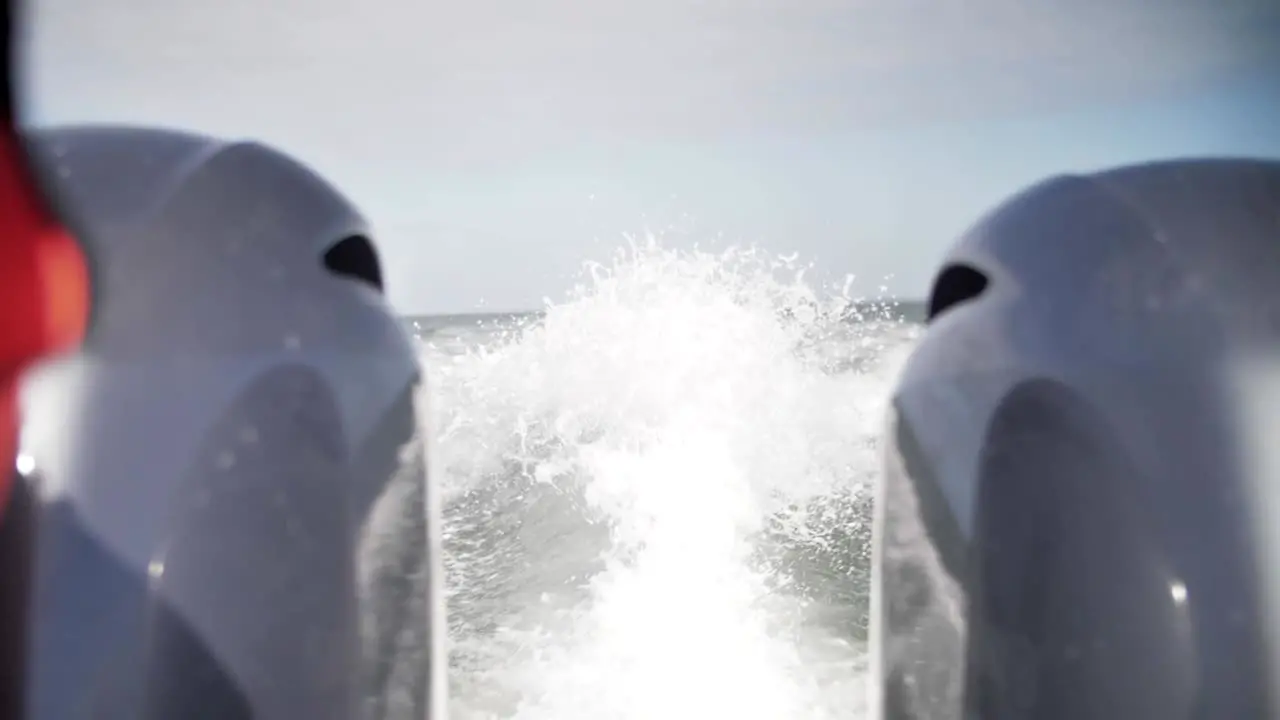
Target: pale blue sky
{"type": "Point", "coordinates": [497, 144]}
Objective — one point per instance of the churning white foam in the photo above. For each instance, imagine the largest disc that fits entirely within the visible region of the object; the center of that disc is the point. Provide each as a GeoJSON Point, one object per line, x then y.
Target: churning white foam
{"type": "Point", "coordinates": [631, 478]}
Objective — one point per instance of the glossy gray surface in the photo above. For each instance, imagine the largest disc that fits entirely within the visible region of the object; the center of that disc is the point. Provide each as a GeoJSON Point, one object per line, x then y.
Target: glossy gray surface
{"type": "Point", "coordinates": [1074, 518]}
{"type": "Point", "coordinates": [207, 466]}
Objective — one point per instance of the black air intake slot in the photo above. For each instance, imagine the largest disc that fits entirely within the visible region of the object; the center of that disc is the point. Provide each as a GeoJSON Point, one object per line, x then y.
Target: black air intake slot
{"type": "Point", "coordinates": [355, 258]}
{"type": "Point", "coordinates": [957, 283]}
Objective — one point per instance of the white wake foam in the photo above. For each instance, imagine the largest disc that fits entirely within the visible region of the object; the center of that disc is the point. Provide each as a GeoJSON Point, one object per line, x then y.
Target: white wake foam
{"type": "Point", "coordinates": [689, 406]}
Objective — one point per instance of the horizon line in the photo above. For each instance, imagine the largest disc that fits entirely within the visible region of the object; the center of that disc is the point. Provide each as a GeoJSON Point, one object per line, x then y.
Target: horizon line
{"type": "Point", "coordinates": [507, 313]}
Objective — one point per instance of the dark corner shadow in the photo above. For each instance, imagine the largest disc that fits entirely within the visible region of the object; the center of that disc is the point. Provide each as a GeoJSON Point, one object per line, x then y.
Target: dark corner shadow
{"type": "Point", "coordinates": [16, 543]}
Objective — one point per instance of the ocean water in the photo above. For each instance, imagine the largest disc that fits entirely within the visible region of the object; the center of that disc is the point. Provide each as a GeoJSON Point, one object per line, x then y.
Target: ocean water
{"type": "Point", "coordinates": [657, 492]}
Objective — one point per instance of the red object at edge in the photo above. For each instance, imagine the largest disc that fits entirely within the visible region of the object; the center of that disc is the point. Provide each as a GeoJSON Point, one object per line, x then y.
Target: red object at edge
{"type": "Point", "coordinates": [45, 289]}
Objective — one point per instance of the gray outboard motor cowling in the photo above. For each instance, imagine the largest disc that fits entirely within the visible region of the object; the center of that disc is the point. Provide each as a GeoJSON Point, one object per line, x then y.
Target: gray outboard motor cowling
{"type": "Point", "coordinates": [232, 509]}
{"type": "Point", "coordinates": [1082, 488]}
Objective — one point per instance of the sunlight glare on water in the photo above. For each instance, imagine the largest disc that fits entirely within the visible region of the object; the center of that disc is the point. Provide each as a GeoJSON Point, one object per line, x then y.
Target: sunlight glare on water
{"type": "Point", "coordinates": [657, 494]}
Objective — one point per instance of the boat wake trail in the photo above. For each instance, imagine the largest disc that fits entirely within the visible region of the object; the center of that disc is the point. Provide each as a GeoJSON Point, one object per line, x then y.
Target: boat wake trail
{"type": "Point", "coordinates": [657, 494]}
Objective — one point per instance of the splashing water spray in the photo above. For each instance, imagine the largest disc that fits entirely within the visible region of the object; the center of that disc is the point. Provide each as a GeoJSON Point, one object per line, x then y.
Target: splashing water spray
{"type": "Point", "coordinates": [657, 494]}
